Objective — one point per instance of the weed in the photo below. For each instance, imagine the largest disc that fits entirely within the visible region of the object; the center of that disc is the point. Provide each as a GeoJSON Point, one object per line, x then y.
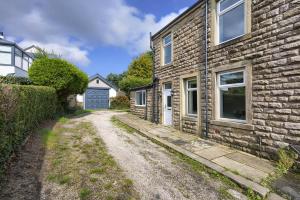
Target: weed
{"type": "Point", "coordinates": [84, 193]}
{"type": "Point", "coordinates": [252, 195]}
{"type": "Point", "coordinates": [99, 170]}
{"type": "Point", "coordinates": [63, 120]}
{"type": "Point", "coordinates": [122, 125]}
{"type": "Point", "coordinates": [285, 162]}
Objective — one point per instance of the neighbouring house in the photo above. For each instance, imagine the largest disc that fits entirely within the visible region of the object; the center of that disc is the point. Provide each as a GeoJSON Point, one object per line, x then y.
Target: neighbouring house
{"type": "Point", "coordinates": [33, 50]}
{"type": "Point", "coordinates": [98, 93]}
{"type": "Point", "coordinates": [231, 74]}
{"type": "Point", "coordinates": [13, 59]}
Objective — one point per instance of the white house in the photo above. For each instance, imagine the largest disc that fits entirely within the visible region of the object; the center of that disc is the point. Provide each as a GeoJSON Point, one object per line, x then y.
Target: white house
{"type": "Point", "coordinates": [98, 93]}
{"type": "Point", "coordinates": [13, 59]}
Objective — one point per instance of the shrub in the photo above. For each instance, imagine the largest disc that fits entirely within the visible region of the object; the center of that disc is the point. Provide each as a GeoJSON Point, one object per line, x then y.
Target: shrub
{"type": "Point", "coordinates": [120, 102]}
{"type": "Point", "coordinates": [130, 82]}
{"type": "Point", "coordinates": [15, 80]}
{"type": "Point", "coordinates": [66, 78]}
{"type": "Point", "coordinates": [21, 109]}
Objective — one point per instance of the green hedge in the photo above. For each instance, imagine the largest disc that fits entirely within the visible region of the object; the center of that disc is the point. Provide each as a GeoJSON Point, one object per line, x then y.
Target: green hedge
{"type": "Point", "coordinates": [21, 109]}
{"type": "Point", "coordinates": [120, 102]}
{"type": "Point", "coordinates": [15, 80]}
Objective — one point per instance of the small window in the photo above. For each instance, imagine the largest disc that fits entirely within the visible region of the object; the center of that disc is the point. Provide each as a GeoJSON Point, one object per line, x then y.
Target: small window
{"type": "Point", "coordinates": [97, 81]}
{"type": "Point", "coordinates": [140, 98]}
{"type": "Point", "coordinates": [232, 98]}
{"type": "Point", "coordinates": [230, 19]}
{"type": "Point", "coordinates": [167, 45]}
{"type": "Point", "coordinates": [191, 97]}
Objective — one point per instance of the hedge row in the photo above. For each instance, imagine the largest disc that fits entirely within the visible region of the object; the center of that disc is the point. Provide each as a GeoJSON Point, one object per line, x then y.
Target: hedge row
{"type": "Point", "coordinates": [22, 107]}
{"type": "Point", "coordinates": [15, 80]}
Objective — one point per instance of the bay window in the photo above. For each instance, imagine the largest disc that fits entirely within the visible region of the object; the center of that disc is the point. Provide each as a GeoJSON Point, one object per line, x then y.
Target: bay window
{"type": "Point", "coordinates": [18, 58]}
{"type": "Point", "coordinates": [167, 49]}
{"type": "Point", "coordinates": [232, 95]}
{"type": "Point", "coordinates": [140, 98]}
{"type": "Point", "coordinates": [191, 97]}
{"type": "Point", "coordinates": [5, 55]}
{"type": "Point", "coordinates": [230, 19]}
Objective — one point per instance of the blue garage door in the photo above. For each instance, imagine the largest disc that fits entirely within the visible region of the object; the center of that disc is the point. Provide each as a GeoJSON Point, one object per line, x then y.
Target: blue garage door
{"type": "Point", "coordinates": [96, 98]}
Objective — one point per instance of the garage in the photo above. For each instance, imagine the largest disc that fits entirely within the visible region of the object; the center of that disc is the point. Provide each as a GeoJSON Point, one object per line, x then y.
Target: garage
{"type": "Point", "coordinates": [96, 98]}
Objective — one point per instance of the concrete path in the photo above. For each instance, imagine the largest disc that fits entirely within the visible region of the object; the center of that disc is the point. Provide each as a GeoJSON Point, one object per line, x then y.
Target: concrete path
{"type": "Point", "coordinates": [244, 168]}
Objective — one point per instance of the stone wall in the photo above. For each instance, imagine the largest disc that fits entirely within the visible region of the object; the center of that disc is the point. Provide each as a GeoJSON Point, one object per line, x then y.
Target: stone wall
{"type": "Point", "coordinates": [142, 110]}
{"type": "Point", "coordinates": [187, 41]}
{"type": "Point", "coordinates": [272, 49]}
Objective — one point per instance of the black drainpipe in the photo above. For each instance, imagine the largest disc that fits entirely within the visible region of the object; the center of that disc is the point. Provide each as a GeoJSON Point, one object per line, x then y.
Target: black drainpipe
{"type": "Point", "coordinates": [153, 80]}
{"type": "Point", "coordinates": [206, 68]}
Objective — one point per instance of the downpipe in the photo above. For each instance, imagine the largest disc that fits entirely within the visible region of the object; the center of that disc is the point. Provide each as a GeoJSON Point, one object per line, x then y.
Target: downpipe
{"type": "Point", "coordinates": [206, 69]}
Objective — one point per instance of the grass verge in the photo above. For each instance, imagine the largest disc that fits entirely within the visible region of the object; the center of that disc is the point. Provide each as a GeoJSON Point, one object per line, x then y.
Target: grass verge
{"type": "Point", "coordinates": [78, 162]}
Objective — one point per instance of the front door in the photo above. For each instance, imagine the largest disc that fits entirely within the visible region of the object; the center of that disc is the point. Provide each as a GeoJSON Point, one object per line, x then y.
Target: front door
{"type": "Point", "coordinates": [167, 104]}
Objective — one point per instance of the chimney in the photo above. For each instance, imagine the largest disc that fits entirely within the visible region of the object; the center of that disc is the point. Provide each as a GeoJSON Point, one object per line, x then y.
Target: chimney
{"type": "Point", "coordinates": [1, 36]}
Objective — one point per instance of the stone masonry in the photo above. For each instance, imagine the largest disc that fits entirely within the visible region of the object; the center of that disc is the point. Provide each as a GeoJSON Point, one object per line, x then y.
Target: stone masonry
{"type": "Point", "coordinates": [272, 49]}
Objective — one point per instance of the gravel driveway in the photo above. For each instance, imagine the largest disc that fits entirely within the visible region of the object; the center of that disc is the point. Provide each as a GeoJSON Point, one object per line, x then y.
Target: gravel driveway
{"type": "Point", "coordinates": [156, 173]}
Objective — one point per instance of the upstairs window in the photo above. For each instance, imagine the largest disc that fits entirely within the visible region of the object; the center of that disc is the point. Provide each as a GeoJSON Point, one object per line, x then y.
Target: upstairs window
{"type": "Point", "coordinates": [140, 98]}
{"type": "Point", "coordinates": [230, 19]}
{"type": "Point", "coordinates": [167, 52]}
{"type": "Point", "coordinates": [232, 95]}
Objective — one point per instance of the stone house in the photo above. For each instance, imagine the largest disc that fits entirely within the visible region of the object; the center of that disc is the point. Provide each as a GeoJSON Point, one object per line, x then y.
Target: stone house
{"type": "Point", "coordinates": [229, 70]}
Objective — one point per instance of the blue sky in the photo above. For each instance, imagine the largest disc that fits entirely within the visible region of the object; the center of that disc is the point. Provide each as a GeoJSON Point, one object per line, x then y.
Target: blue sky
{"type": "Point", "coordinates": [99, 37]}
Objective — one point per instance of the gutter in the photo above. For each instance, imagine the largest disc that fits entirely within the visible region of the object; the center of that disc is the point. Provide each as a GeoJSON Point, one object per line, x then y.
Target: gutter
{"type": "Point", "coordinates": [206, 69]}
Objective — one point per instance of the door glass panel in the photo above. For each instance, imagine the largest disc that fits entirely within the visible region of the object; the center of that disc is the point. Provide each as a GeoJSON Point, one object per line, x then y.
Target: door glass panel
{"type": "Point", "coordinates": [168, 86]}
{"type": "Point", "coordinates": [169, 101]}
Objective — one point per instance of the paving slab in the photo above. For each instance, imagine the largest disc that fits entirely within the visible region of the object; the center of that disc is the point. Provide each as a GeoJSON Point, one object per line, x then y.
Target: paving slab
{"type": "Point", "coordinates": [252, 161]}
{"type": "Point", "coordinates": [246, 171]}
{"type": "Point", "coordinates": [213, 152]}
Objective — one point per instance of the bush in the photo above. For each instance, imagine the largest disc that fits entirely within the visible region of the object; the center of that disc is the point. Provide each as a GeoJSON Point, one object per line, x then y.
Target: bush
{"type": "Point", "coordinates": [15, 80]}
{"type": "Point", "coordinates": [120, 102]}
{"type": "Point", "coordinates": [21, 109]}
{"type": "Point", "coordinates": [66, 78]}
{"type": "Point", "coordinates": [130, 82]}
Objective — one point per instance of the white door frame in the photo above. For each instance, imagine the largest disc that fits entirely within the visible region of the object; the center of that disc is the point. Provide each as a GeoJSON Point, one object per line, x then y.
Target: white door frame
{"type": "Point", "coordinates": [167, 105]}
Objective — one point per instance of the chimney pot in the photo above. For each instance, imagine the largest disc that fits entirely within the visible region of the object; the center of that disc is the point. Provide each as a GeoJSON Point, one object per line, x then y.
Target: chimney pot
{"type": "Point", "coordinates": [1, 35]}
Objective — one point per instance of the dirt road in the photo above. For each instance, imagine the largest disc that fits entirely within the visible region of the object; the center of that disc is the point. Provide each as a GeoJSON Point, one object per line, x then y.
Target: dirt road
{"type": "Point", "coordinates": [156, 173]}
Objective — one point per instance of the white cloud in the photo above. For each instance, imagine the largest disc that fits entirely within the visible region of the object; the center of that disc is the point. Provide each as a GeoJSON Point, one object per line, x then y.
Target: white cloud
{"type": "Point", "coordinates": [72, 27]}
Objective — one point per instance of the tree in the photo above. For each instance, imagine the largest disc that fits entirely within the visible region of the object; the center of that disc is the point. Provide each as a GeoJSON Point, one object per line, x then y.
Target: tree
{"type": "Point", "coordinates": [139, 72]}
{"type": "Point", "coordinates": [115, 78]}
{"type": "Point", "coordinates": [66, 78]}
{"type": "Point", "coordinates": [141, 66]}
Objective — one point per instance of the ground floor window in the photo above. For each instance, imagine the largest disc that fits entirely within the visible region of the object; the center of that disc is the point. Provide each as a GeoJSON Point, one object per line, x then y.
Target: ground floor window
{"type": "Point", "coordinates": [191, 97]}
{"type": "Point", "coordinates": [140, 98]}
{"type": "Point", "coordinates": [232, 95]}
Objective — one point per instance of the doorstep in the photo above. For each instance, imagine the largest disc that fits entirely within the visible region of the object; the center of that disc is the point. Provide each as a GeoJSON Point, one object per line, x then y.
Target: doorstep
{"type": "Point", "coordinates": [245, 169]}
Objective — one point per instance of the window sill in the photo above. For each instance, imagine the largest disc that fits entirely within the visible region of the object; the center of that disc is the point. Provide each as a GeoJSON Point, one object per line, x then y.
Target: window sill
{"type": "Point", "coordinates": [231, 42]}
{"type": "Point", "coordinates": [233, 124]}
{"type": "Point", "coordinates": [140, 106]}
{"type": "Point", "coordinates": [190, 118]}
{"type": "Point", "coordinates": [167, 65]}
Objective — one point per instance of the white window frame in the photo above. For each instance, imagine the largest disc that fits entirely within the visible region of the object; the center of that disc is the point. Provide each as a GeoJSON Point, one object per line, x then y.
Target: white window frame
{"type": "Point", "coordinates": [7, 52]}
{"type": "Point", "coordinates": [167, 45]}
{"type": "Point", "coordinates": [226, 86]}
{"type": "Point", "coordinates": [219, 13]}
{"type": "Point", "coordinates": [187, 90]}
{"type": "Point", "coordinates": [143, 98]}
